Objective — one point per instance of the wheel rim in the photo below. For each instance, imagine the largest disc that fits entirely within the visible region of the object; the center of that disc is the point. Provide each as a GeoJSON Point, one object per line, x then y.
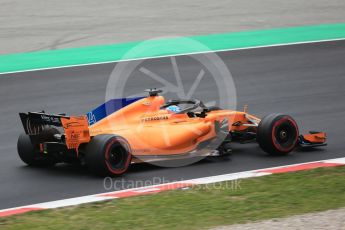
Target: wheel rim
{"type": "Point", "coordinates": [117, 157]}
{"type": "Point", "coordinates": [285, 134]}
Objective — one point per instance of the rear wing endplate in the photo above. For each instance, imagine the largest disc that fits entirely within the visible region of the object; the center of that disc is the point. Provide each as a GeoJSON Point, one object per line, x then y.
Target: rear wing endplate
{"type": "Point", "coordinates": [76, 128]}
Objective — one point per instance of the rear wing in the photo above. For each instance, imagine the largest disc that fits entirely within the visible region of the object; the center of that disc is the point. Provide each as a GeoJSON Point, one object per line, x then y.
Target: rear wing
{"type": "Point", "coordinates": [75, 128]}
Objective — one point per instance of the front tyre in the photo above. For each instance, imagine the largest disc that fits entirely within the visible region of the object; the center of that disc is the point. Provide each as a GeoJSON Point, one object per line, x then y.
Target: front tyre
{"type": "Point", "coordinates": [277, 134]}
{"type": "Point", "coordinates": [108, 155]}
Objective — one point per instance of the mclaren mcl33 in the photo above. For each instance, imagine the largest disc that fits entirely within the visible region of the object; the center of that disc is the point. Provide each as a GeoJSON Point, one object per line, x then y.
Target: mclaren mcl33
{"type": "Point", "coordinates": [145, 129]}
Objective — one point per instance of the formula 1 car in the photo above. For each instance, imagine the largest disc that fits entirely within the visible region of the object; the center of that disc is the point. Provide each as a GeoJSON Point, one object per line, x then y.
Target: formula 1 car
{"type": "Point", "coordinates": [131, 130]}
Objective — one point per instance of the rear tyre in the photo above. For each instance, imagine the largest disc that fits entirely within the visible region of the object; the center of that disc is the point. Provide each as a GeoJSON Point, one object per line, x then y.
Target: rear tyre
{"type": "Point", "coordinates": [29, 152]}
{"type": "Point", "coordinates": [277, 134]}
{"type": "Point", "coordinates": [108, 155]}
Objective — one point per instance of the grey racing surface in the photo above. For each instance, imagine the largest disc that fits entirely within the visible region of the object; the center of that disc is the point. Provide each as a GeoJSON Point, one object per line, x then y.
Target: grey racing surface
{"type": "Point", "coordinates": [305, 81]}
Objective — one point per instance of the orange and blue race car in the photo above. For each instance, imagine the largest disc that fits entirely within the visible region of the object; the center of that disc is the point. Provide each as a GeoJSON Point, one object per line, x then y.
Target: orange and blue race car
{"type": "Point", "coordinates": [147, 129]}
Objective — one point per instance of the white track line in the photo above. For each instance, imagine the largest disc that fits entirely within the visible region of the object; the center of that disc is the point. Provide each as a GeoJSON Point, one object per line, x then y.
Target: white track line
{"type": "Point", "coordinates": [175, 55]}
{"type": "Point", "coordinates": [169, 186]}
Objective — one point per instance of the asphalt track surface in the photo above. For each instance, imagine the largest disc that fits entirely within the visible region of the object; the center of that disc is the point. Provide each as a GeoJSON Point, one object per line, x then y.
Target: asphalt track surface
{"type": "Point", "coordinates": [34, 25]}
{"type": "Point", "coordinates": [306, 81]}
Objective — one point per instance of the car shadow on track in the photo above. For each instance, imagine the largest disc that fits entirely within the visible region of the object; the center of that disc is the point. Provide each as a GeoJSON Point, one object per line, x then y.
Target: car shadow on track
{"type": "Point", "coordinates": [240, 151]}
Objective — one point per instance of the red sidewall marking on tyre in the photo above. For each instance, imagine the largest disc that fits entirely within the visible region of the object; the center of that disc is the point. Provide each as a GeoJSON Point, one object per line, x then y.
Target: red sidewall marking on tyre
{"type": "Point", "coordinates": [274, 139]}
{"type": "Point", "coordinates": [107, 152]}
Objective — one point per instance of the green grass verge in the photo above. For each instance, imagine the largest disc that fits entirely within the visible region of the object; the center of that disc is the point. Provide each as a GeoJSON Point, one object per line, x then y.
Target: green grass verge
{"type": "Point", "coordinates": [201, 207]}
{"type": "Point", "coordinates": [169, 46]}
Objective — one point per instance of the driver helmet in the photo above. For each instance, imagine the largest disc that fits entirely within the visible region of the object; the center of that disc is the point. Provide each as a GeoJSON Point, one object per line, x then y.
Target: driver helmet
{"type": "Point", "coordinates": [173, 108]}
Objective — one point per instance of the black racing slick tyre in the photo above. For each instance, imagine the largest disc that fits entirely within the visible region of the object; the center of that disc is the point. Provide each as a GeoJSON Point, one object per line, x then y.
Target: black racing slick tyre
{"type": "Point", "coordinates": [29, 152]}
{"type": "Point", "coordinates": [277, 134]}
{"type": "Point", "coordinates": [108, 155]}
